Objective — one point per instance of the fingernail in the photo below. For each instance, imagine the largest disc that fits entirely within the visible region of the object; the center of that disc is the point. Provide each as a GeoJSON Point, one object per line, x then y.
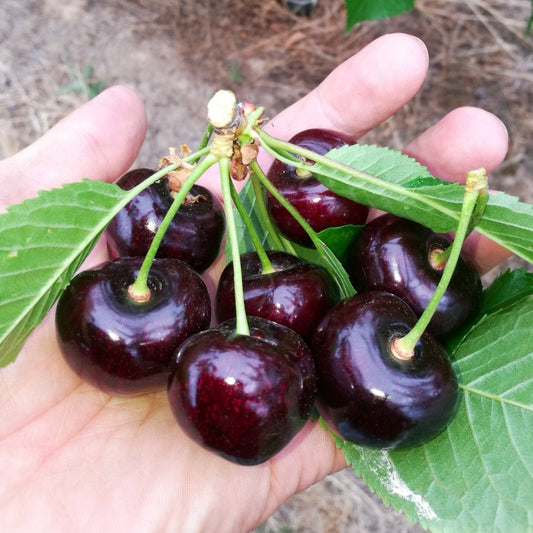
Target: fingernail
{"type": "Point", "coordinates": [422, 45]}
{"type": "Point", "coordinates": [503, 126]}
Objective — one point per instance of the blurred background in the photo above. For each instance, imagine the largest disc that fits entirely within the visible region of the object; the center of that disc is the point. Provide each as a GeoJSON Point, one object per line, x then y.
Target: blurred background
{"type": "Point", "coordinates": [176, 53]}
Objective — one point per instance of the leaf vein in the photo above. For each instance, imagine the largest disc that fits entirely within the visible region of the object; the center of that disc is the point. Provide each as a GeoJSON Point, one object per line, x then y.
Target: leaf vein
{"type": "Point", "coordinates": [478, 447]}
{"type": "Point", "coordinates": [496, 398]}
{"type": "Point", "coordinates": [517, 449]}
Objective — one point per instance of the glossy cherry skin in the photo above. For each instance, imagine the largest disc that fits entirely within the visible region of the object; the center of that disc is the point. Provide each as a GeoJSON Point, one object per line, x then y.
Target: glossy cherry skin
{"type": "Point", "coordinates": [125, 347]}
{"type": "Point", "coordinates": [393, 254]}
{"type": "Point", "coordinates": [317, 204]}
{"type": "Point", "coordinates": [194, 235]}
{"type": "Point", "coordinates": [368, 396]}
{"type": "Point", "coordinates": [243, 397]}
{"type": "Point", "coordinates": [296, 295]}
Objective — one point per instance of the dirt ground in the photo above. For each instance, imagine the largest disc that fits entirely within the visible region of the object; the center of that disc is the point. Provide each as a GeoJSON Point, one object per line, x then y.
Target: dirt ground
{"type": "Point", "coordinates": [177, 53]}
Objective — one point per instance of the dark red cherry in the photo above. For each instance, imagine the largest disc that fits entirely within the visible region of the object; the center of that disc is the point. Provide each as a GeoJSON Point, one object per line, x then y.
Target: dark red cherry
{"type": "Point", "coordinates": [394, 254]}
{"type": "Point", "coordinates": [317, 204]}
{"type": "Point", "coordinates": [122, 346]}
{"type": "Point", "coordinates": [369, 396]}
{"type": "Point", "coordinates": [297, 294]}
{"type": "Point", "coordinates": [243, 397]}
{"type": "Point", "coordinates": [194, 236]}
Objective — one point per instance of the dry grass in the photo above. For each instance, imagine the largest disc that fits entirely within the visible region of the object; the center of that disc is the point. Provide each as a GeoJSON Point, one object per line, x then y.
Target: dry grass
{"type": "Point", "coordinates": [479, 56]}
{"type": "Point", "coordinates": [176, 53]}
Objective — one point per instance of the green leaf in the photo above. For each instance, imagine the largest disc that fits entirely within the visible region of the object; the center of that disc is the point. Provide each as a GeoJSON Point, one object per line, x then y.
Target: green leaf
{"type": "Point", "coordinates": [506, 289]}
{"type": "Point", "coordinates": [478, 474]}
{"type": "Point", "coordinates": [408, 190]}
{"type": "Point", "coordinates": [360, 10]}
{"type": "Point", "coordinates": [43, 241]}
{"type": "Point", "coordinates": [339, 239]}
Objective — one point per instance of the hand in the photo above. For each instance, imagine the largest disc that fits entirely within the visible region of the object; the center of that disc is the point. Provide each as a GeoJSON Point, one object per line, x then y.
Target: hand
{"type": "Point", "coordinates": [75, 459]}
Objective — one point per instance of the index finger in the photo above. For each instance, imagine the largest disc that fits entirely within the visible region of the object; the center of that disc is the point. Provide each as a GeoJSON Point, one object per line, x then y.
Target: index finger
{"type": "Point", "coordinates": [362, 92]}
{"type": "Point", "coordinates": [358, 95]}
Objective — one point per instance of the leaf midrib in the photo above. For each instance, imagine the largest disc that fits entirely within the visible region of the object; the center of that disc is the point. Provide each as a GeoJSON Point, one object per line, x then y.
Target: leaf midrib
{"type": "Point", "coordinates": [77, 252]}
{"type": "Point", "coordinates": [495, 397]}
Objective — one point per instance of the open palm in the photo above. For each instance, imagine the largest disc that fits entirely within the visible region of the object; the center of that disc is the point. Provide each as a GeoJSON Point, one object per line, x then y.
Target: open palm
{"type": "Point", "coordinates": [73, 458]}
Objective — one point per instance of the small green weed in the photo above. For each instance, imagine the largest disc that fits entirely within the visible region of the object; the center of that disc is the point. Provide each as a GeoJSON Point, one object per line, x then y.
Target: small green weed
{"type": "Point", "coordinates": [84, 82]}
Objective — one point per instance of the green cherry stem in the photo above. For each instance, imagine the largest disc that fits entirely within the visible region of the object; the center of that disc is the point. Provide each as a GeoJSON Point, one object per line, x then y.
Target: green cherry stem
{"type": "Point", "coordinates": [276, 147]}
{"type": "Point", "coordinates": [283, 151]}
{"type": "Point", "coordinates": [161, 173]}
{"type": "Point", "coordinates": [153, 178]}
{"type": "Point", "coordinates": [139, 290]}
{"type": "Point", "coordinates": [241, 325]}
{"type": "Point", "coordinates": [195, 156]}
{"type": "Point", "coordinates": [478, 178]}
{"type": "Point", "coordinates": [287, 205]}
{"type": "Point", "coordinates": [266, 265]}
{"type": "Point", "coordinates": [403, 347]}
{"type": "Point", "coordinates": [206, 137]}
{"type": "Point", "coordinates": [331, 263]}
{"type": "Point", "coordinates": [263, 212]}
{"type": "Point", "coordinates": [250, 122]}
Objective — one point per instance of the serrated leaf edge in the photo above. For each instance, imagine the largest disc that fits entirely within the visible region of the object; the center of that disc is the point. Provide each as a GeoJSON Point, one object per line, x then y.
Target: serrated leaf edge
{"type": "Point", "coordinates": [75, 258]}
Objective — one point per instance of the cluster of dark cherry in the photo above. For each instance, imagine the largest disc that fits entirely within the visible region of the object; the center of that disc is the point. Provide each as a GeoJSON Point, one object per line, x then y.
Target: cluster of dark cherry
{"type": "Point", "coordinates": [246, 396]}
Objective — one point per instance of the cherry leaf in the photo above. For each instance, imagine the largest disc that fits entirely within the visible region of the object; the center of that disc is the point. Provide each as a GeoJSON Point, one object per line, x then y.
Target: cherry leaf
{"type": "Point", "coordinates": [360, 10]}
{"type": "Point", "coordinates": [406, 189]}
{"type": "Point", "coordinates": [43, 241]}
{"type": "Point", "coordinates": [510, 286]}
{"type": "Point", "coordinates": [249, 201]}
{"type": "Point", "coordinates": [339, 240]}
{"type": "Point", "coordinates": [478, 474]}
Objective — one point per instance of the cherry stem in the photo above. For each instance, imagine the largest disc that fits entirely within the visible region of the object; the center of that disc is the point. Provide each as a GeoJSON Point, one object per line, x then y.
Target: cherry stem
{"type": "Point", "coordinates": [161, 173]}
{"type": "Point", "coordinates": [266, 265]}
{"type": "Point", "coordinates": [241, 326]}
{"type": "Point", "coordinates": [277, 147]}
{"type": "Point", "coordinates": [139, 290]}
{"type": "Point", "coordinates": [476, 181]}
{"type": "Point", "coordinates": [206, 137]}
{"type": "Point", "coordinates": [156, 176]}
{"type": "Point", "coordinates": [328, 258]}
{"type": "Point", "coordinates": [479, 177]}
{"type": "Point", "coordinates": [263, 214]}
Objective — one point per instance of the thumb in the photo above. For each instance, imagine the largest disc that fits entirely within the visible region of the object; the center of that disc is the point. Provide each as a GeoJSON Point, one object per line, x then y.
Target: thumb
{"type": "Point", "coordinates": [99, 140]}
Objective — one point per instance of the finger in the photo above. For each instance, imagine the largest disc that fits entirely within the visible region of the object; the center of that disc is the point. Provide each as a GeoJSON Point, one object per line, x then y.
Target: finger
{"type": "Point", "coordinates": [362, 92]}
{"type": "Point", "coordinates": [308, 458]}
{"type": "Point", "coordinates": [100, 140]}
{"type": "Point", "coordinates": [357, 96]}
{"type": "Point", "coordinates": [465, 139]}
